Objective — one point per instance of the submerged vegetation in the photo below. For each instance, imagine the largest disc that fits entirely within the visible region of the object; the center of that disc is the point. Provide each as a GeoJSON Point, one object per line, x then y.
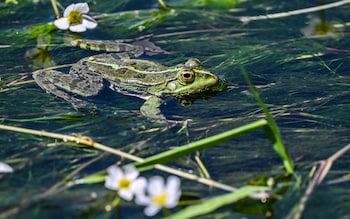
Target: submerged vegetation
{"type": "Point", "coordinates": [147, 172]}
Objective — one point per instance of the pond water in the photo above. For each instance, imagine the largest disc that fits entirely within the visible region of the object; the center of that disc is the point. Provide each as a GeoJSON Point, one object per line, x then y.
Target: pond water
{"type": "Point", "coordinates": [302, 75]}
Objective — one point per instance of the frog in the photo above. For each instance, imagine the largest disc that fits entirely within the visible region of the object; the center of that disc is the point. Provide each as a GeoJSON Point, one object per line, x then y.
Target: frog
{"type": "Point", "coordinates": [125, 73]}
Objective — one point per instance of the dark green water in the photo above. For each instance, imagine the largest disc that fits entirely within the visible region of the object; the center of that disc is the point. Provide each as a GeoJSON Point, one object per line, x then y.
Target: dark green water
{"type": "Point", "coordinates": [304, 81]}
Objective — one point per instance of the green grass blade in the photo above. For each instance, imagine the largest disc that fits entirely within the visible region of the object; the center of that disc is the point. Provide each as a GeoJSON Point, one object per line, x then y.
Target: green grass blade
{"type": "Point", "coordinates": [201, 144]}
{"type": "Point", "coordinates": [212, 204]}
{"type": "Point", "coordinates": [272, 130]}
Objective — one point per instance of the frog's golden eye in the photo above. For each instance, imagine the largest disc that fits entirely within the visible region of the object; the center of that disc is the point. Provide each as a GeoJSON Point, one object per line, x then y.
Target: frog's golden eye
{"type": "Point", "coordinates": [187, 76]}
{"type": "Point", "coordinates": [193, 63]}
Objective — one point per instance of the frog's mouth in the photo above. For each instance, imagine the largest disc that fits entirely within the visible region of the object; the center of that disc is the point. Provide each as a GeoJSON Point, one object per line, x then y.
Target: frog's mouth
{"type": "Point", "coordinates": [187, 100]}
{"type": "Point", "coordinates": [220, 86]}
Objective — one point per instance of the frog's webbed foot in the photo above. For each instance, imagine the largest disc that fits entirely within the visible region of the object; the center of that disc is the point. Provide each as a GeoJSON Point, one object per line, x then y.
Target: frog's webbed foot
{"type": "Point", "coordinates": [149, 47]}
{"type": "Point", "coordinates": [151, 110]}
{"type": "Point", "coordinates": [127, 48]}
{"type": "Point", "coordinates": [122, 48]}
{"type": "Point", "coordinates": [83, 106]}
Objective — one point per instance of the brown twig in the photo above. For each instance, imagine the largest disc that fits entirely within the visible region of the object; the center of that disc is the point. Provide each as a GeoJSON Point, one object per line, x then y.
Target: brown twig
{"type": "Point", "coordinates": [323, 169]}
{"type": "Point", "coordinates": [90, 142]}
{"type": "Point", "coordinates": [246, 19]}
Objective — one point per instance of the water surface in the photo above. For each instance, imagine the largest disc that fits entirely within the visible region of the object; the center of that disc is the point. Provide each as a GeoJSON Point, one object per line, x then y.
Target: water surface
{"type": "Point", "coordinates": [303, 79]}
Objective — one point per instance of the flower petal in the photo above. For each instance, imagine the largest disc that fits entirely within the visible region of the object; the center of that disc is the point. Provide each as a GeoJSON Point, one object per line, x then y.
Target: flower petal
{"type": "Point", "coordinates": [114, 175]}
{"type": "Point", "coordinates": [155, 185]}
{"type": "Point", "coordinates": [173, 184]}
{"type": "Point", "coordinates": [77, 28]}
{"type": "Point", "coordinates": [138, 186]}
{"type": "Point", "coordinates": [68, 10]}
{"type": "Point", "coordinates": [115, 171]}
{"type": "Point", "coordinates": [62, 23]}
{"type": "Point", "coordinates": [89, 22]}
{"type": "Point", "coordinates": [111, 183]}
{"type": "Point", "coordinates": [82, 7]}
{"type": "Point", "coordinates": [172, 200]}
{"type": "Point", "coordinates": [126, 194]}
{"type": "Point", "coordinates": [5, 168]}
{"type": "Point", "coordinates": [142, 199]}
{"type": "Point", "coordinates": [173, 190]}
{"type": "Point", "coordinates": [151, 210]}
{"type": "Point", "coordinates": [131, 172]}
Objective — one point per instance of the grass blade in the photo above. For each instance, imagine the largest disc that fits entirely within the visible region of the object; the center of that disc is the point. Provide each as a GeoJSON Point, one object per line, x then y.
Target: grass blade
{"type": "Point", "coordinates": [272, 130]}
{"type": "Point", "coordinates": [201, 144]}
{"type": "Point", "coordinates": [212, 204]}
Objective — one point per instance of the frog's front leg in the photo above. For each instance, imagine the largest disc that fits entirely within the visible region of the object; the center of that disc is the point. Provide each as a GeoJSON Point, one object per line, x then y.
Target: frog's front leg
{"type": "Point", "coordinates": [67, 87]}
{"type": "Point", "coordinates": [151, 110]}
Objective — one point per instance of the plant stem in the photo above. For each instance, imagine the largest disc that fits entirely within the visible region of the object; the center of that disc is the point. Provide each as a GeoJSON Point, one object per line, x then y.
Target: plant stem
{"type": "Point", "coordinates": [163, 5]}
{"type": "Point", "coordinates": [54, 6]}
{"type": "Point", "coordinates": [90, 142]}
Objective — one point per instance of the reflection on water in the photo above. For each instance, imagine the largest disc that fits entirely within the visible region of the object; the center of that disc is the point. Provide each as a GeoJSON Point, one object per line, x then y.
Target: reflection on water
{"type": "Point", "coordinates": [317, 26]}
{"type": "Point", "coordinates": [40, 57]}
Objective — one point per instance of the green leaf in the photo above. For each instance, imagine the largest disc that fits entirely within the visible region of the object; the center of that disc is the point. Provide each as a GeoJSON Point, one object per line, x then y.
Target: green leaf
{"type": "Point", "coordinates": [272, 130]}
{"type": "Point", "coordinates": [220, 3]}
{"type": "Point", "coordinates": [201, 144]}
{"type": "Point", "coordinates": [91, 179]}
{"type": "Point", "coordinates": [212, 204]}
{"type": "Point", "coordinates": [32, 32]}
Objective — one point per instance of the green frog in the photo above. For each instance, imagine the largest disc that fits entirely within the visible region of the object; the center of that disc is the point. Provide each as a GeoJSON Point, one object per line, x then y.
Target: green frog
{"type": "Point", "coordinates": [126, 75]}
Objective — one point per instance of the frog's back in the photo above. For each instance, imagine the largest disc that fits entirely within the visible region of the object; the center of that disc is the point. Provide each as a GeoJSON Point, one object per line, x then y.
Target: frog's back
{"type": "Point", "coordinates": [131, 76]}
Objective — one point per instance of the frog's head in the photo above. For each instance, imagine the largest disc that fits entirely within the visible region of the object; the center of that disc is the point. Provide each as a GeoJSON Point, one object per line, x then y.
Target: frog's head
{"type": "Point", "coordinates": [192, 79]}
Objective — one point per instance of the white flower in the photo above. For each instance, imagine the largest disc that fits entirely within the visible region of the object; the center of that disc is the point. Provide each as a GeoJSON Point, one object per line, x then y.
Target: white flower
{"type": "Point", "coordinates": [318, 27]}
{"type": "Point", "coordinates": [160, 195]}
{"type": "Point", "coordinates": [126, 182]}
{"type": "Point", "coordinates": [5, 168]}
{"type": "Point", "coordinates": [75, 18]}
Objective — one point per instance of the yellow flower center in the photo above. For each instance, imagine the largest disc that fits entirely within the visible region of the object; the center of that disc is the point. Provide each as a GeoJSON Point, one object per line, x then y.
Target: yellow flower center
{"type": "Point", "coordinates": [160, 200]}
{"type": "Point", "coordinates": [75, 17]}
{"type": "Point", "coordinates": [323, 29]}
{"type": "Point", "coordinates": [124, 183]}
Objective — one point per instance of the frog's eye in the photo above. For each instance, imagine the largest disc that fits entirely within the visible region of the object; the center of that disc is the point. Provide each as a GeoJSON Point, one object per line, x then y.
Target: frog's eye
{"type": "Point", "coordinates": [193, 63]}
{"type": "Point", "coordinates": [187, 76]}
